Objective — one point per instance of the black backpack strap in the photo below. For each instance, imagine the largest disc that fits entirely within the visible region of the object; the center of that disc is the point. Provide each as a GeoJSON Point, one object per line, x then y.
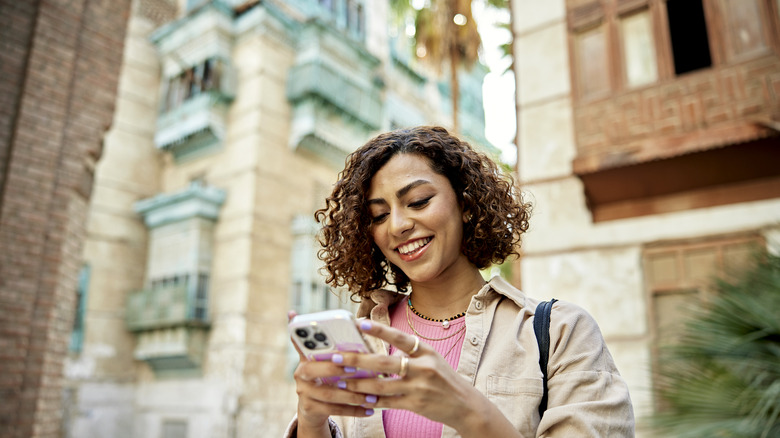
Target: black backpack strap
{"type": "Point", "coordinates": [542, 330]}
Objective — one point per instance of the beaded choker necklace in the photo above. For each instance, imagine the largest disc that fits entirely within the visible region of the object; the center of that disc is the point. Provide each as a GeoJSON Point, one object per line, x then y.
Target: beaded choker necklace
{"type": "Point", "coordinates": [445, 323]}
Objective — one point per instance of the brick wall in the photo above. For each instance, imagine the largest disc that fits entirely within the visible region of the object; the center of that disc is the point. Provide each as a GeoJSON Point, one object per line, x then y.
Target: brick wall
{"type": "Point", "coordinates": [59, 64]}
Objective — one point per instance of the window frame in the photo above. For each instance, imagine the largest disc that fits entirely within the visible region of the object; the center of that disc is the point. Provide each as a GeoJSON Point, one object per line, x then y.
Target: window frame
{"type": "Point", "coordinates": [79, 319]}
{"type": "Point", "coordinates": [621, 41]}
{"type": "Point", "coordinates": [584, 15]}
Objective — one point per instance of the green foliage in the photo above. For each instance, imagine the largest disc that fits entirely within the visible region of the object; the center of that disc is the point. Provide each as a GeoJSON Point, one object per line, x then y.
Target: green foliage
{"type": "Point", "coordinates": [723, 377]}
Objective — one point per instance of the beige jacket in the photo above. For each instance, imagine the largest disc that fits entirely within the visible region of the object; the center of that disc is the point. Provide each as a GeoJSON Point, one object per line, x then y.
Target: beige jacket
{"type": "Point", "coordinates": [500, 357]}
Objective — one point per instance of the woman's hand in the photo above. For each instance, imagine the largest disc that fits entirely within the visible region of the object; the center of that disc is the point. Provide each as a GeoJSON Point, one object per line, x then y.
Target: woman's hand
{"type": "Point", "coordinates": [425, 384]}
{"type": "Point", "coordinates": [317, 401]}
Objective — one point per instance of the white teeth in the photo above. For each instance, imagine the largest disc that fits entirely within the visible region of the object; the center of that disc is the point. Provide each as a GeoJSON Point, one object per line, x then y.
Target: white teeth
{"type": "Point", "coordinates": [410, 247]}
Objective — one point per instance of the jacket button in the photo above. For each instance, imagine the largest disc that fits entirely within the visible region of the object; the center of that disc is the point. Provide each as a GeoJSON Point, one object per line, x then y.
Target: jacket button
{"type": "Point", "coordinates": [478, 305]}
{"type": "Point", "coordinates": [474, 340]}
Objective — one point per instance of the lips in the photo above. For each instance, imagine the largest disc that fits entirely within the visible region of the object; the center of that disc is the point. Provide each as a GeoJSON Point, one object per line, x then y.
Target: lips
{"type": "Point", "coordinates": [410, 248]}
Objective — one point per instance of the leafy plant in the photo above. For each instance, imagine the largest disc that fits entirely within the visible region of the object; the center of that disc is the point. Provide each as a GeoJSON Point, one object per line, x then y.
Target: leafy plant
{"type": "Point", "coordinates": [722, 379]}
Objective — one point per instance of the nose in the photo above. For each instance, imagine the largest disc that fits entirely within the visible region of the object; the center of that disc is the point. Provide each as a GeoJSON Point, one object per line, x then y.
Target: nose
{"type": "Point", "coordinates": [400, 222]}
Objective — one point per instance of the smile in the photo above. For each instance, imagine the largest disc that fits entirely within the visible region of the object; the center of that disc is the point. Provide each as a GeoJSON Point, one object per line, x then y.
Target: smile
{"type": "Point", "coordinates": [409, 248]}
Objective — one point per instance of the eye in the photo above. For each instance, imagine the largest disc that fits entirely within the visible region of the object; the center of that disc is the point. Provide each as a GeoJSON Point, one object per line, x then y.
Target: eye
{"type": "Point", "coordinates": [421, 203]}
{"type": "Point", "coordinates": [378, 218]}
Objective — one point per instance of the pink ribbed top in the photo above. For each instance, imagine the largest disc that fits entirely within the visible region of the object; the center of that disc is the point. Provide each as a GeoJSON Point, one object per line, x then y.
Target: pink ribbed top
{"type": "Point", "coordinates": [401, 423]}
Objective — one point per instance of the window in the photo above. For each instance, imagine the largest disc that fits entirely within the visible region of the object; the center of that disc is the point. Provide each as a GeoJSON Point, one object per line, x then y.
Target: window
{"type": "Point", "coordinates": [592, 62]}
{"type": "Point", "coordinates": [746, 32]}
{"type": "Point", "coordinates": [618, 45]}
{"type": "Point", "coordinates": [638, 49]}
{"type": "Point", "coordinates": [688, 32]}
{"type": "Point", "coordinates": [77, 335]}
{"type": "Point", "coordinates": [195, 287]}
{"type": "Point", "coordinates": [204, 77]}
{"type": "Point", "coordinates": [348, 15]}
{"type": "Point", "coordinates": [309, 293]}
{"type": "Point", "coordinates": [181, 229]}
{"type": "Point", "coordinates": [355, 18]}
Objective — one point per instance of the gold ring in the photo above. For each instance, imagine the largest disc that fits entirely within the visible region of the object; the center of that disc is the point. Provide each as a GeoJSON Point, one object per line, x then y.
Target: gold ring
{"type": "Point", "coordinates": [404, 367]}
{"type": "Point", "coordinates": [416, 346]}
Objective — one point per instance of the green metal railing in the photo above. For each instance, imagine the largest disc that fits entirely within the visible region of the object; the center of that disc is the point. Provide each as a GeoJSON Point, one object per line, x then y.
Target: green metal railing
{"type": "Point", "coordinates": [169, 305]}
{"type": "Point", "coordinates": [319, 80]}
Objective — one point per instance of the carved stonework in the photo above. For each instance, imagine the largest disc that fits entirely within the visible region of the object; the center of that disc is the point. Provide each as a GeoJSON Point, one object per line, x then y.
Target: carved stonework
{"type": "Point", "coordinates": [733, 95]}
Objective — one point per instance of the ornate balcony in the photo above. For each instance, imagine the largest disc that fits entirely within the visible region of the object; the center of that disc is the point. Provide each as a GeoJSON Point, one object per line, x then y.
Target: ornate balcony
{"type": "Point", "coordinates": [170, 317]}
{"type": "Point", "coordinates": [170, 320]}
{"type": "Point", "coordinates": [334, 91]}
{"type": "Point", "coordinates": [198, 82]}
{"type": "Point", "coordinates": [169, 305]}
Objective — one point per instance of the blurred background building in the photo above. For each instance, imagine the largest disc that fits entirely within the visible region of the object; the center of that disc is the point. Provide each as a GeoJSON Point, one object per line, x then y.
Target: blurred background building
{"type": "Point", "coordinates": [648, 140]}
{"type": "Point", "coordinates": [232, 121]}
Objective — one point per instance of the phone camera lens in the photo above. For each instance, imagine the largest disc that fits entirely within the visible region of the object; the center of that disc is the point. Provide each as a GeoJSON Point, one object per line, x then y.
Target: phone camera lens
{"type": "Point", "coordinates": [302, 333]}
{"type": "Point", "coordinates": [310, 345]}
{"type": "Point", "coordinates": [320, 337]}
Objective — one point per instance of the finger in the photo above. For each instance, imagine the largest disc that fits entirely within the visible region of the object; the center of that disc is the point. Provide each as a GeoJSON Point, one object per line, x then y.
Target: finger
{"type": "Point", "coordinates": [403, 341]}
{"type": "Point", "coordinates": [322, 371]}
{"type": "Point", "coordinates": [309, 406]}
{"type": "Point", "coordinates": [291, 314]}
{"type": "Point", "coordinates": [376, 363]}
{"type": "Point", "coordinates": [336, 395]}
{"type": "Point", "coordinates": [316, 401]}
{"type": "Point", "coordinates": [382, 388]}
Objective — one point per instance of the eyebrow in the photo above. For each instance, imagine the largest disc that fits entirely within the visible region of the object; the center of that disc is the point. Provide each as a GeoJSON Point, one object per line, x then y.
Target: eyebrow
{"type": "Point", "coordinates": [402, 191]}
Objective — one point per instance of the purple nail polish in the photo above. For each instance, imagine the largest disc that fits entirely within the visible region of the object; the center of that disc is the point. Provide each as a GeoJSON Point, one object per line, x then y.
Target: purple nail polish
{"type": "Point", "coordinates": [337, 358]}
{"type": "Point", "coordinates": [369, 412]}
{"type": "Point", "coordinates": [370, 399]}
{"type": "Point", "coordinates": [342, 384]}
{"type": "Point", "coordinates": [350, 369]}
{"type": "Point", "coordinates": [365, 325]}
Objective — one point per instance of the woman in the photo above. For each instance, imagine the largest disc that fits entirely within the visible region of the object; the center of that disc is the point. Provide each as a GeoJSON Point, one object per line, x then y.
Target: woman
{"type": "Point", "coordinates": [421, 212]}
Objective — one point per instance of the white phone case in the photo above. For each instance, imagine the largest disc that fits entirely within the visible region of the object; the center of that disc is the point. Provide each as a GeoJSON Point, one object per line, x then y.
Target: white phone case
{"type": "Point", "coordinates": [320, 335]}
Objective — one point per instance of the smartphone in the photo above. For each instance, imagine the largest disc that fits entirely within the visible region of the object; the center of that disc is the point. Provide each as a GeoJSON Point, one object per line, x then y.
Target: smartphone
{"type": "Point", "coordinates": [322, 334]}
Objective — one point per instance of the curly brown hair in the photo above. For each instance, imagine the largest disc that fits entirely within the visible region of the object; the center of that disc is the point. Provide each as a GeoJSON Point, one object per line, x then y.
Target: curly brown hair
{"type": "Point", "coordinates": [499, 216]}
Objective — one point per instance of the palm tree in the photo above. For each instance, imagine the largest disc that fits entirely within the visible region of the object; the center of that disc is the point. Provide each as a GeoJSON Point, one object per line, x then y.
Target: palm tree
{"type": "Point", "coordinates": [723, 377]}
{"type": "Point", "coordinates": [445, 35]}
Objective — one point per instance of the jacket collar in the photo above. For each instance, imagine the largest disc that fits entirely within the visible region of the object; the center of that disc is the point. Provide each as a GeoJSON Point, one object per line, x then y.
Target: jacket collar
{"type": "Point", "coordinates": [377, 307]}
{"type": "Point", "coordinates": [503, 287]}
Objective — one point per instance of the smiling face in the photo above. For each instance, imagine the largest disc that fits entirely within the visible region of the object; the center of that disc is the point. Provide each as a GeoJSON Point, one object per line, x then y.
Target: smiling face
{"type": "Point", "coordinates": [417, 221]}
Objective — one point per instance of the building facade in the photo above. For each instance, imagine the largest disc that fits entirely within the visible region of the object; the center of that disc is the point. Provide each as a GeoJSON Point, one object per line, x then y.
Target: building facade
{"type": "Point", "coordinates": [232, 121]}
{"type": "Point", "coordinates": [648, 143]}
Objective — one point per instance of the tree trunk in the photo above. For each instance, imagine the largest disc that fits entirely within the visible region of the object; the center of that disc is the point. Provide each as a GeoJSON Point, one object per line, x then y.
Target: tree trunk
{"type": "Point", "coordinates": [455, 84]}
{"type": "Point", "coordinates": [516, 73]}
